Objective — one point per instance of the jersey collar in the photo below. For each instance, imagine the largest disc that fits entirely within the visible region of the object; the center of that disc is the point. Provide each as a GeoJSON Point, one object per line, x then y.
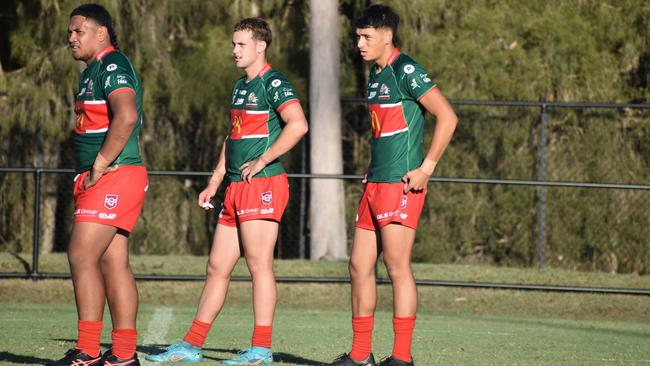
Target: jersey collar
{"type": "Point", "coordinates": [264, 70]}
{"type": "Point", "coordinates": [393, 56]}
{"type": "Point", "coordinates": [104, 52]}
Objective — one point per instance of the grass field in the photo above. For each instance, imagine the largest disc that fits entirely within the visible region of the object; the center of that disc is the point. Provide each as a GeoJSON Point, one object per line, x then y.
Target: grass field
{"type": "Point", "coordinates": [455, 326]}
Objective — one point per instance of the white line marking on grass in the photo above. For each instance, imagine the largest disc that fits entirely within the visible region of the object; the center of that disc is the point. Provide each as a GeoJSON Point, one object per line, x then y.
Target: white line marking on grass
{"type": "Point", "coordinates": [157, 331]}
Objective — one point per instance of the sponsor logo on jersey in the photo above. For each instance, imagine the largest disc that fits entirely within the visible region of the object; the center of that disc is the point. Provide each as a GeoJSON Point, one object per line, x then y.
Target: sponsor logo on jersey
{"type": "Point", "coordinates": [409, 69]}
{"type": "Point", "coordinates": [384, 92]}
{"type": "Point", "coordinates": [89, 91]}
{"type": "Point", "coordinates": [403, 216]}
{"type": "Point", "coordinates": [242, 92]}
{"type": "Point", "coordinates": [121, 79]}
{"type": "Point", "coordinates": [236, 124]}
{"type": "Point", "coordinates": [83, 90]}
{"type": "Point", "coordinates": [110, 201]}
{"type": "Point", "coordinates": [252, 100]}
{"type": "Point", "coordinates": [425, 78]}
{"type": "Point", "coordinates": [267, 197]}
{"type": "Point", "coordinates": [107, 84]}
{"type": "Point", "coordinates": [288, 92]}
{"type": "Point", "coordinates": [276, 97]}
{"type": "Point", "coordinates": [111, 67]}
{"type": "Point", "coordinates": [403, 202]}
{"type": "Point", "coordinates": [372, 94]}
{"type": "Point", "coordinates": [374, 85]}
{"type": "Point", "coordinates": [266, 211]}
{"type": "Point", "coordinates": [275, 83]}
{"type": "Point", "coordinates": [106, 216]}
{"type": "Point", "coordinates": [414, 84]}
{"type": "Point", "coordinates": [239, 101]}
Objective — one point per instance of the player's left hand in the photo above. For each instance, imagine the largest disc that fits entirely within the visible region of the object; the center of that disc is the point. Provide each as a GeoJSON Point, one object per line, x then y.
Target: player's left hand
{"type": "Point", "coordinates": [250, 168]}
{"type": "Point", "coordinates": [415, 180]}
{"type": "Point", "coordinates": [95, 174]}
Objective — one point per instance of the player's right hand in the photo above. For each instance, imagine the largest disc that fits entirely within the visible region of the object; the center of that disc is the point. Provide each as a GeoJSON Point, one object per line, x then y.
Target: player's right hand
{"type": "Point", "coordinates": [206, 195]}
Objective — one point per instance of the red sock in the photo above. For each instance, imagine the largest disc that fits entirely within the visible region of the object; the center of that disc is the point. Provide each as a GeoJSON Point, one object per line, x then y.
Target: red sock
{"type": "Point", "coordinates": [198, 333]}
{"type": "Point", "coordinates": [362, 337]}
{"type": "Point", "coordinates": [90, 332]}
{"type": "Point", "coordinates": [403, 328]}
{"type": "Point", "coordinates": [124, 341]}
{"type": "Point", "coordinates": [262, 336]}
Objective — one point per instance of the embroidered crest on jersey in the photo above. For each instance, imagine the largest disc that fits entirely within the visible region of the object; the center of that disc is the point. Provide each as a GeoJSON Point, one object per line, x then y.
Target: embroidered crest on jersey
{"type": "Point", "coordinates": [267, 197]}
{"type": "Point", "coordinates": [384, 92]}
{"type": "Point", "coordinates": [252, 100]}
{"type": "Point", "coordinates": [110, 201]}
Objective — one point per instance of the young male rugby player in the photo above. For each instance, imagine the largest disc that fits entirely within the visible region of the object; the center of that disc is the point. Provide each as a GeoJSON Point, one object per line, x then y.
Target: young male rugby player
{"type": "Point", "coordinates": [255, 197]}
{"type": "Point", "coordinates": [109, 189]}
{"type": "Point", "coordinates": [400, 91]}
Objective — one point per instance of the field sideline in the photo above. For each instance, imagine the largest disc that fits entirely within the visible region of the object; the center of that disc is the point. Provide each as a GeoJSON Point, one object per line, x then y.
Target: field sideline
{"type": "Point", "coordinates": [455, 326]}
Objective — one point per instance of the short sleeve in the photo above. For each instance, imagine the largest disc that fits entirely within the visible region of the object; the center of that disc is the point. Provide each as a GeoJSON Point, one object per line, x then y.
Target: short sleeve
{"type": "Point", "coordinates": [280, 92]}
{"type": "Point", "coordinates": [116, 79]}
{"type": "Point", "coordinates": [416, 82]}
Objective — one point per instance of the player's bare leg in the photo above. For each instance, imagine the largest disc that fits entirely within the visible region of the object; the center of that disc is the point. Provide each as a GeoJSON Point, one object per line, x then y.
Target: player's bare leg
{"type": "Point", "coordinates": [362, 272]}
{"type": "Point", "coordinates": [397, 244]}
{"type": "Point", "coordinates": [223, 258]}
{"type": "Point", "coordinates": [258, 239]}
{"type": "Point", "coordinates": [87, 246]}
{"type": "Point", "coordinates": [121, 291]}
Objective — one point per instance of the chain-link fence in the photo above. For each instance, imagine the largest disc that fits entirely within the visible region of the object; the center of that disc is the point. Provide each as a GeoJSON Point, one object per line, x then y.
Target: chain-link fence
{"type": "Point", "coordinates": [521, 185]}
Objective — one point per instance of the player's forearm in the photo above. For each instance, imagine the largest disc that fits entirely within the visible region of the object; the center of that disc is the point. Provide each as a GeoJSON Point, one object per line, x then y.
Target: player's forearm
{"type": "Point", "coordinates": [220, 170]}
{"type": "Point", "coordinates": [442, 135]}
{"type": "Point", "coordinates": [289, 137]}
{"type": "Point", "coordinates": [117, 136]}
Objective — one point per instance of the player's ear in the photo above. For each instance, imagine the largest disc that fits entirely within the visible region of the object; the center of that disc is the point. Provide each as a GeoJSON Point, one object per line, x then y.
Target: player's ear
{"type": "Point", "coordinates": [388, 36]}
{"type": "Point", "coordinates": [102, 33]}
{"type": "Point", "coordinates": [261, 46]}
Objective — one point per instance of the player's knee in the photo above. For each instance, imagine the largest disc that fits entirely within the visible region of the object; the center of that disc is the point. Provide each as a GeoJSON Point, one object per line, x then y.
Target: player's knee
{"type": "Point", "coordinates": [260, 268]}
{"type": "Point", "coordinates": [359, 269]}
{"type": "Point", "coordinates": [80, 262]}
{"type": "Point", "coordinates": [398, 270]}
{"type": "Point", "coordinates": [108, 263]}
{"type": "Point", "coordinates": [213, 269]}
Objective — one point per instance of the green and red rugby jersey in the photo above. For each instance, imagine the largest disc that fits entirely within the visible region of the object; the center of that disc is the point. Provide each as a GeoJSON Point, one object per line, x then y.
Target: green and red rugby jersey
{"type": "Point", "coordinates": [255, 120]}
{"type": "Point", "coordinates": [397, 117]}
{"type": "Point", "coordinates": [110, 73]}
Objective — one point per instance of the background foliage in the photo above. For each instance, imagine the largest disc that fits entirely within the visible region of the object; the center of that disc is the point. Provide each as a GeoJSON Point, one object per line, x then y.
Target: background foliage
{"type": "Point", "coordinates": [562, 50]}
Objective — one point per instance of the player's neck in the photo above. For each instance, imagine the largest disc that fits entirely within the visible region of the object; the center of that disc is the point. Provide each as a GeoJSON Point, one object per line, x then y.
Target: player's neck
{"type": "Point", "coordinates": [100, 52]}
{"type": "Point", "coordinates": [382, 61]}
{"type": "Point", "coordinates": [253, 70]}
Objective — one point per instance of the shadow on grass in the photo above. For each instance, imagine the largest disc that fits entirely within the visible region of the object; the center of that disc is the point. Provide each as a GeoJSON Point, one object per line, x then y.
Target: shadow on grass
{"type": "Point", "coordinates": [28, 360]}
{"type": "Point", "coordinates": [277, 356]}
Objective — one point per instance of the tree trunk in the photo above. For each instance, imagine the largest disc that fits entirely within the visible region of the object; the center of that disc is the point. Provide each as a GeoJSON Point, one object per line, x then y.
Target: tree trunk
{"type": "Point", "coordinates": [327, 200]}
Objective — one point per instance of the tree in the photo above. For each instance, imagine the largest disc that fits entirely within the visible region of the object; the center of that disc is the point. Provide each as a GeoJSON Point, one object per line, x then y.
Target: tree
{"type": "Point", "coordinates": [327, 210]}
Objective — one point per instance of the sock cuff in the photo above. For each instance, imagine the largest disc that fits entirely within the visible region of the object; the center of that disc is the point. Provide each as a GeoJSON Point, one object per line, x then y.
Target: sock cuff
{"type": "Point", "coordinates": [201, 325]}
{"type": "Point", "coordinates": [124, 332]}
{"type": "Point", "coordinates": [90, 324]}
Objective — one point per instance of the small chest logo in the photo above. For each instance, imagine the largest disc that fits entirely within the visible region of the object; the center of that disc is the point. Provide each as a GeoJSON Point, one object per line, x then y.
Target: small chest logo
{"type": "Point", "coordinates": [384, 92]}
{"type": "Point", "coordinates": [267, 197]}
{"type": "Point", "coordinates": [110, 201]}
{"type": "Point", "coordinates": [252, 100]}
